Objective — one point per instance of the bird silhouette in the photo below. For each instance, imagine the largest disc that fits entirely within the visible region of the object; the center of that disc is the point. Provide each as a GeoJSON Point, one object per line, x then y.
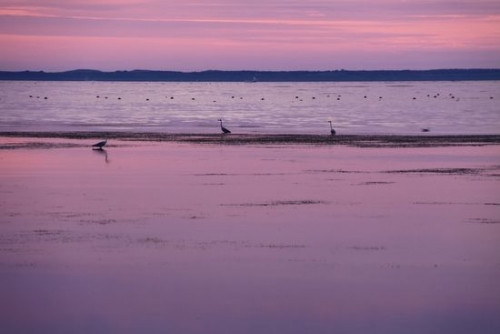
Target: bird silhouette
{"type": "Point", "coordinates": [332, 131]}
{"type": "Point", "coordinates": [99, 145]}
{"type": "Point", "coordinates": [224, 130]}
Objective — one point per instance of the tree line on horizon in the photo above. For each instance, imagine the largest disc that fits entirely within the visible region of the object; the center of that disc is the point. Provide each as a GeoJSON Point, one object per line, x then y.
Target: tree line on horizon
{"type": "Point", "coordinates": [256, 76]}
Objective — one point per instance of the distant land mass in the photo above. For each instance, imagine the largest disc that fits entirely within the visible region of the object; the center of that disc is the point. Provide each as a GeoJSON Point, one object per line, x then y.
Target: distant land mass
{"type": "Point", "coordinates": [257, 76]}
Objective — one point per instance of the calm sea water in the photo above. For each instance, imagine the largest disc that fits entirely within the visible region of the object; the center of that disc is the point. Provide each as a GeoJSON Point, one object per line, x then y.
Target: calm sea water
{"type": "Point", "coordinates": [354, 108]}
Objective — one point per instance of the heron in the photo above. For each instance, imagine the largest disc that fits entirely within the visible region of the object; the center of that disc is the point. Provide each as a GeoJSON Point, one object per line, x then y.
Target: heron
{"type": "Point", "coordinates": [224, 130]}
{"type": "Point", "coordinates": [99, 145]}
{"type": "Point", "coordinates": [332, 131]}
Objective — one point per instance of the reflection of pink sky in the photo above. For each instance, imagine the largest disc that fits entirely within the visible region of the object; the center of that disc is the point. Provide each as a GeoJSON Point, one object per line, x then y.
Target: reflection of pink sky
{"type": "Point", "coordinates": [186, 238]}
{"type": "Point", "coordinates": [196, 35]}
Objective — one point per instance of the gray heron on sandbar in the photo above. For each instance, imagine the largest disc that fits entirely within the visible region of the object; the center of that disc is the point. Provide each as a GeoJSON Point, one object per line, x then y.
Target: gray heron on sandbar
{"type": "Point", "coordinates": [224, 130]}
{"type": "Point", "coordinates": [332, 131]}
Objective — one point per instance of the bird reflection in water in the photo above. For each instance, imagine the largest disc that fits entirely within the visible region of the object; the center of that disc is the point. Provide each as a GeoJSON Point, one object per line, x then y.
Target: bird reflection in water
{"type": "Point", "coordinates": [102, 151]}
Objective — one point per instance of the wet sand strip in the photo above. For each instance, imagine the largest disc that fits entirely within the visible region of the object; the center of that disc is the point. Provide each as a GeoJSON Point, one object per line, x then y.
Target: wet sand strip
{"type": "Point", "coordinates": [266, 139]}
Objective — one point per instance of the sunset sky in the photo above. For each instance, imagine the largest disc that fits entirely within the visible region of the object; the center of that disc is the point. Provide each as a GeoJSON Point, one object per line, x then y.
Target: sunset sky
{"type": "Point", "coordinates": [193, 35]}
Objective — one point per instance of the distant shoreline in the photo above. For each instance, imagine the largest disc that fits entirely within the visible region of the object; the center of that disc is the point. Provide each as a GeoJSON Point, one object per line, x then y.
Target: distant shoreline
{"type": "Point", "coordinates": [267, 139]}
{"type": "Point", "coordinates": [256, 76]}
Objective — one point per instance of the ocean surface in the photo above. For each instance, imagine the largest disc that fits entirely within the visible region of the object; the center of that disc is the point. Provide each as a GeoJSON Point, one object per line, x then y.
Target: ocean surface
{"type": "Point", "coordinates": [354, 107]}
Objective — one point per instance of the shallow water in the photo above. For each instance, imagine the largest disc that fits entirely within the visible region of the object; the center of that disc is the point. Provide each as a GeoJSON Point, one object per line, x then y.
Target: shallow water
{"type": "Point", "coordinates": [354, 108]}
{"type": "Point", "coordinates": [181, 238]}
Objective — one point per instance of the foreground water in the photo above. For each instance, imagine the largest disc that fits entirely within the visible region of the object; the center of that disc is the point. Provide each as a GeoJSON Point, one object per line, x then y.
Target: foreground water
{"type": "Point", "coordinates": [354, 108]}
{"type": "Point", "coordinates": [149, 237]}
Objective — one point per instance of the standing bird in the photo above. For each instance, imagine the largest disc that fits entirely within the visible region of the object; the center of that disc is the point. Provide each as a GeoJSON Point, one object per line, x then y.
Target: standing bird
{"type": "Point", "coordinates": [224, 130]}
{"type": "Point", "coordinates": [99, 145]}
{"type": "Point", "coordinates": [332, 131]}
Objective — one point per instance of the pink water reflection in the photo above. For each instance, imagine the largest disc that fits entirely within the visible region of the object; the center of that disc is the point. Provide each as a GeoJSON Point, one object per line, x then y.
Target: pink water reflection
{"type": "Point", "coordinates": [224, 239]}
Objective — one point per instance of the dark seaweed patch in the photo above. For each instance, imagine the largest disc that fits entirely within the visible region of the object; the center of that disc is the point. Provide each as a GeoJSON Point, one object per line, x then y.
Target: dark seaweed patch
{"type": "Point", "coordinates": [449, 171]}
{"type": "Point", "coordinates": [281, 246]}
{"type": "Point", "coordinates": [38, 145]}
{"type": "Point", "coordinates": [278, 203]}
{"type": "Point", "coordinates": [98, 221]}
{"type": "Point", "coordinates": [340, 171]}
{"type": "Point", "coordinates": [368, 248]}
{"type": "Point", "coordinates": [484, 221]}
{"type": "Point", "coordinates": [152, 240]}
{"type": "Point", "coordinates": [47, 232]}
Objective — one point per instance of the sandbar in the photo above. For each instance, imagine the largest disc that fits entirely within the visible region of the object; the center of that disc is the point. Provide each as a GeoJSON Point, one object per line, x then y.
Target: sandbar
{"type": "Point", "coordinates": [366, 140]}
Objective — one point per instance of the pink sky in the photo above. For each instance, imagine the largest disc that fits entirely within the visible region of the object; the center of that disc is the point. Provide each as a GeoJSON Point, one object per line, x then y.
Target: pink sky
{"type": "Point", "coordinates": [192, 35]}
